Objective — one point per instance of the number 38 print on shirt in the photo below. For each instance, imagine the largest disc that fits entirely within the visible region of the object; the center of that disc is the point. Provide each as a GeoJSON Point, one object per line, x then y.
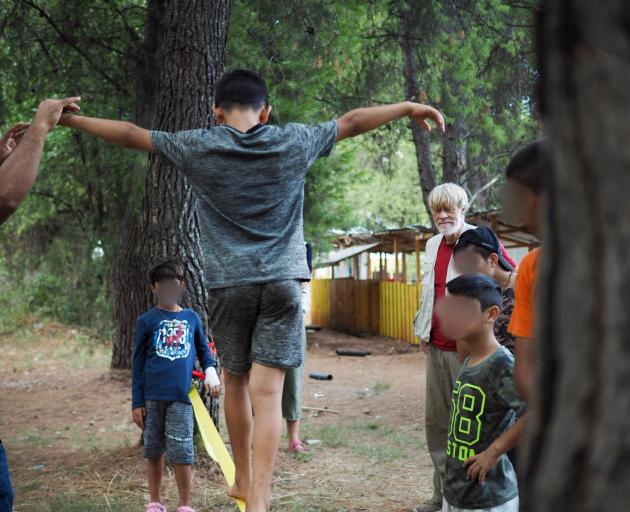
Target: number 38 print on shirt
{"type": "Point", "coordinates": [467, 407]}
{"type": "Point", "coordinates": [484, 404]}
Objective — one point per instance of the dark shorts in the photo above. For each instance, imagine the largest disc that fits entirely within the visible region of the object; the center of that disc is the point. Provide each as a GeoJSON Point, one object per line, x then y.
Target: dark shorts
{"type": "Point", "coordinates": [168, 428]}
{"type": "Point", "coordinates": [259, 323]}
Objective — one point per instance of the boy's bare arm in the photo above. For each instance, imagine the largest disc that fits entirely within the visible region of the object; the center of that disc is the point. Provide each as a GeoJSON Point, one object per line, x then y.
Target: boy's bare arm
{"type": "Point", "coordinates": [480, 464]}
{"type": "Point", "coordinates": [362, 120]}
{"type": "Point", "coordinates": [120, 133]}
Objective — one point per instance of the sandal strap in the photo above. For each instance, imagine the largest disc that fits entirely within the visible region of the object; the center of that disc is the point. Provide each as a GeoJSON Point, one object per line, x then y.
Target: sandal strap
{"type": "Point", "coordinates": [155, 506]}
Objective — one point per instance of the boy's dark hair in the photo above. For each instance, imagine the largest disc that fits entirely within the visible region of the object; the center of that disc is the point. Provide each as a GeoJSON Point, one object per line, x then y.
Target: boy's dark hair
{"type": "Point", "coordinates": [478, 287]}
{"type": "Point", "coordinates": [165, 270]}
{"type": "Point", "coordinates": [241, 88]}
{"type": "Point", "coordinates": [526, 167]}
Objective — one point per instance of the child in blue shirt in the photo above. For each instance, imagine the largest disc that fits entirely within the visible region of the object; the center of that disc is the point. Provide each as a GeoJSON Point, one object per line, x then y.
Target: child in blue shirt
{"type": "Point", "coordinates": [167, 340]}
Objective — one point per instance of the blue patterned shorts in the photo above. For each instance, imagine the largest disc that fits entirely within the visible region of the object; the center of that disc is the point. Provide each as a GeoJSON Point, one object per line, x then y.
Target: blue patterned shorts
{"type": "Point", "coordinates": [168, 428]}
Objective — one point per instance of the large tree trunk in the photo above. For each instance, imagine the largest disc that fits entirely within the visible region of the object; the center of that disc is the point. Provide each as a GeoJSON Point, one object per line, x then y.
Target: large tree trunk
{"type": "Point", "coordinates": [454, 151]}
{"type": "Point", "coordinates": [130, 295]}
{"type": "Point", "coordinates": [579, 441]}
{"type": "Point", "coordinates": [411, 13]}
{"type": "Point", "coordinates": [191, 44]}
{"type": "Point", "coordinates": [191, 54]}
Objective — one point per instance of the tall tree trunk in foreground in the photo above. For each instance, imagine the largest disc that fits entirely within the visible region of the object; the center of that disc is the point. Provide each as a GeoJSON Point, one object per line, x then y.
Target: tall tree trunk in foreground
{"type": "Point", "coordinates": [191, 46]}
{"type": "Point", "coordinates": [130, 295]}
{"type": "Point", "coordinates": [191, 53]}
{"type": "Point", "coordinates": [579, 444]}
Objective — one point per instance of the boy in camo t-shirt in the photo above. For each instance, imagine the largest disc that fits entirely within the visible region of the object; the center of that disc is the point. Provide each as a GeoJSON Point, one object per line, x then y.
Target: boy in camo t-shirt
{"type": "Point", "coordinates": [487, 413]}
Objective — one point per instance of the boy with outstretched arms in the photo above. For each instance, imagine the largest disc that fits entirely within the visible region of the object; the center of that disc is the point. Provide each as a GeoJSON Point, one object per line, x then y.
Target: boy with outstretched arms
{"type": "Point", "coordinates": [248, 180]}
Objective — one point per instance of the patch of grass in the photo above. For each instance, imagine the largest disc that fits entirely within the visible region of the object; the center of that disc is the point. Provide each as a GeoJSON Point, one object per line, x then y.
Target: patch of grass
{"type": "Point", "coordinates": [35, 439]}
{"type": "Point", "coordinates": [375, 389]}
{"type": "Point", "coordinates": [83, 352]}
{"type": "Point", "coordinates": [373, 440]}
{"type": "Point", "coordinates": [70, 347]}
{"type": "Point", "coordinates": [73, 503]}
{"type": "Point", "coordinates": [303, 456]}
{"type": "Point", "coordinates": [332, 435]}
{"type": "Point", "coordinates": [301, 507]}
{"type": "Point", "coordinates": [380, 387]}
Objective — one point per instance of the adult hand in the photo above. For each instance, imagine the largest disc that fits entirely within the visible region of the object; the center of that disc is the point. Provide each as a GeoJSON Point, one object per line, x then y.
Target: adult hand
{"type": "Point", "coordinates": [49, 111]}
{"type": "Point", "coordinates": [138, 415]}
{"type": "Point", "coordinates": [424, 346]}
{"type": "Point", "coordinates": [421, 113]}
{"type": "Point", "coordinates": [11, 139]}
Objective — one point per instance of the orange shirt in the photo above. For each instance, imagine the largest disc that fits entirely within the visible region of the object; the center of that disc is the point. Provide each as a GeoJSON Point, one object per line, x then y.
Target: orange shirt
{"type": "Point", "coordinates": [522, 320]}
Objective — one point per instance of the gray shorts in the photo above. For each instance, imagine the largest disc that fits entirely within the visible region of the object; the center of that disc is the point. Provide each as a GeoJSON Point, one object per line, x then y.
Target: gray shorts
{"type": "Point", "coordinates": [168, 427]}
{"type": "Point", "coordinates": [259, 323]}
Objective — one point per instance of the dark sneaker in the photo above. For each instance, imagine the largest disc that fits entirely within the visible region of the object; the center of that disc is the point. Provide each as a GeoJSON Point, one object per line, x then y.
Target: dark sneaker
{"type": "Point", "coordinates": [432, 505]}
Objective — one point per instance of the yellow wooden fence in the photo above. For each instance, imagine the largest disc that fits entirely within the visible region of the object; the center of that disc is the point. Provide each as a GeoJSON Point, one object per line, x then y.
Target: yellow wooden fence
{"type": "Point", "coordinates": [368, 307]}
{"type": "Point", "coordinates": [320, 303]}
{"type": "Point", "coordinates": [398, 305]}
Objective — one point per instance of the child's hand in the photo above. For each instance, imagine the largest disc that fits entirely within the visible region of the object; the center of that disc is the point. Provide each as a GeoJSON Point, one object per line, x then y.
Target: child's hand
{"type": "Point", "coordinates": [479, 465]}
{"type": "Point", "coordinates": [212, 384]}
{"type": "Point", "coordinates": [420, 113]}
{"type": "Point", "coordinates": [138, 415]}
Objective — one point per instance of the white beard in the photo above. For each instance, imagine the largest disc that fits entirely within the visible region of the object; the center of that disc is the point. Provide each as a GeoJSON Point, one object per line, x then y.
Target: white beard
{"type": "Point", "coordinates": [451, 230]}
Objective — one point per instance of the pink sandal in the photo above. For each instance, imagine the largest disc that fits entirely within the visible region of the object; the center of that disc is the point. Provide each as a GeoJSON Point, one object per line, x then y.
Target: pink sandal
{"type": "Point", "coordinates": [185, 509]}
{"type": "Point", "coordinates": [155, 506]}
{"type": "Point", "coordinates": [297, 447]}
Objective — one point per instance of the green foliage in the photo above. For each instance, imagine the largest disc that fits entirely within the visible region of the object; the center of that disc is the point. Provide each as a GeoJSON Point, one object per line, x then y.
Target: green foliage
{"type": "Point", "coordinates": [320, 59]}
{"type": "Point", "coordinates": [78, 203]}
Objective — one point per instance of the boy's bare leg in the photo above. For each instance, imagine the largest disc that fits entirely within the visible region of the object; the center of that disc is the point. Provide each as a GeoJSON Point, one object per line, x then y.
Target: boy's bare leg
{"type": "Point", "coordinates": [155, 469]}
{"type": "Point", "coordinates": [183, 478]}
{"type": "Point", "coordinates": [238, 416]}
{"type": "Point", "coordinates": [265, 389]}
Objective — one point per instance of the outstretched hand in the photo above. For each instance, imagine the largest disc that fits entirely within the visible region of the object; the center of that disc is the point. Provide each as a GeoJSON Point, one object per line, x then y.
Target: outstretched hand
{"type": "Point", "coordinates": [49, 111]}
{"type": "Point", "coordinates": [421, 113]}
{"type": "Point", "coordinates": [11, 139]}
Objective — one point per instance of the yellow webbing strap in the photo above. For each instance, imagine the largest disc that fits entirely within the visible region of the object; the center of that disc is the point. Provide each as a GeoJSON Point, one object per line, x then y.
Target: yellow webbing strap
{"type": "Point", "coordinates": [213, 442]}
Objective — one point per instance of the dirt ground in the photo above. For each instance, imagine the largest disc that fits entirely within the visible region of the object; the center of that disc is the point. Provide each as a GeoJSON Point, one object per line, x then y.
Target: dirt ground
{"type": "Point", "coordinates": [66, 424]}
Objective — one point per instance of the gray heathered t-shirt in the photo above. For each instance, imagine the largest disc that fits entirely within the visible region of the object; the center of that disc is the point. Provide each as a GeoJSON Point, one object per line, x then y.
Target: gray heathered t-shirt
{"type": "Point", "coordinates": [250, 196]}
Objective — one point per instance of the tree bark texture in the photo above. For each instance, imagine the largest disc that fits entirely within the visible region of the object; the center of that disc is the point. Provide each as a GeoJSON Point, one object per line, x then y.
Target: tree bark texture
{"type": "Point", "coordinates": [578, 442]}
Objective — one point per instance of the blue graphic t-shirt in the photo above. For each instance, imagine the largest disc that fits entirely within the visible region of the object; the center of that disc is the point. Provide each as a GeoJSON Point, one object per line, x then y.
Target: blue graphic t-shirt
{"type": "Point", "coordinates": [164, 349]}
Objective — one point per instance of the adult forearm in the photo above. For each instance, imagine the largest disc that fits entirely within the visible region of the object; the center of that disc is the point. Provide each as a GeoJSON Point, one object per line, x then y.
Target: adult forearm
{"type": "Point", "coordinates": [19, 170]}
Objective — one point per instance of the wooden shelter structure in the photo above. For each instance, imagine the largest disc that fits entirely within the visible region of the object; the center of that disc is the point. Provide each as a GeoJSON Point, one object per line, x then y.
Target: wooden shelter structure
{"type": "Point", "coordinates": [378, 294]}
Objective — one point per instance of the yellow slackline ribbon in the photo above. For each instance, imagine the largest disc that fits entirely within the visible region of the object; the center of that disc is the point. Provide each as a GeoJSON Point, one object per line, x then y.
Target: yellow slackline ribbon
{"type": "Point", "coordinates": [213, 442]}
